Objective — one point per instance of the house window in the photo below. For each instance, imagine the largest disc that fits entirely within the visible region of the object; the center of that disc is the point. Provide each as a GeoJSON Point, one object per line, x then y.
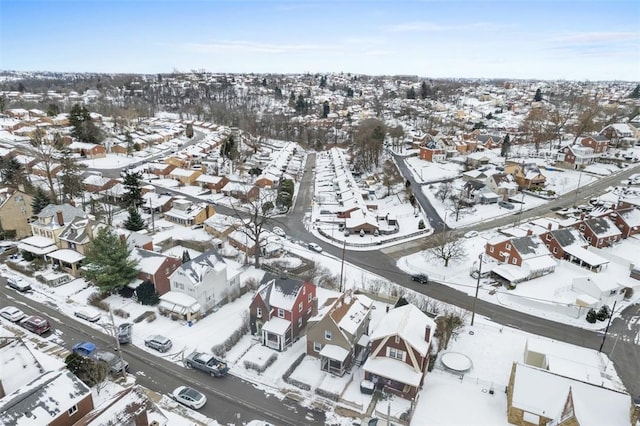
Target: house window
{"type": "Point", "coordinates": [491, 249]}
{"type": "Point", "coordinates": [304, 290]}
{"type": "Point", "coordinates": [259, 312]}
{"type": "Point", "coordinates": [327, 335]}
{"type": "Point", "coordinates": [589, 240]}
{"type": "Point", "coordinates": [555, 250]}
{"type": "Point", "coordinates": [581, 227]}
{"type": "Point", "coordinates": [514, 260]}
{"type": "Point", "coordinates": [280, 313]}
{"type": "Point", "coordinates": [300, 307]}
{"type": "Point", "coordinates": [317, 347]}
{"type": "Point", "coordinates": [548, 237]}
{"type": "Point", "coordinates": [397, 339]}
{"type": "Point", "coordinates": [309, 298]}
{"type": "Point", "coordinates": [73, 410]}
{"type": "Point", "coordinates": [300, 322]}
{"type": "Point", "coordinates": [309, 310]}
{"type": "Point", "coordinates": [508, 246]}
{"type": "Point", "coordinates": [395, 353]}
{"type": "Point", "coordinates": [612, 292]}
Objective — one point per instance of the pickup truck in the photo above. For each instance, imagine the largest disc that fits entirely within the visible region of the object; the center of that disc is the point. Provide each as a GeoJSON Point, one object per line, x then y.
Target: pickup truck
{"type": "Point", "coordinates": [207, 363]}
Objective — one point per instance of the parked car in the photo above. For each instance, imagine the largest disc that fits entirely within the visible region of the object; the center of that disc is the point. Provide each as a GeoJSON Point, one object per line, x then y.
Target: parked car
{"type": "Point", "coordinates": [88, 315]}
{"type": "Point", "coordinates": [189, 397]}
{"type": "Point", "coordinates": [84, 348]}
{"type": "Point", "coordinates": [471, 234]}
{"type": "Point", "coordinates": [315, 247]}
{"type": "Point", "coordinates": [124, 332]}
{"type": "Point", "coordinates": [159, 343]}
{"type": "Point", "coordinates": [421, 278]}
{"type": "Point", "coordinates": [506, 205]}
{"type": "Point", "coordinates": [19, 284]}
{"type": "Point", "coordinates": [279, 231]}
{"type": "Point", "coordinates": [116, 365]}
{"type": "Point", "coordinates": [36, 324]}
{"type": "Point", "coordinates": [207, 363]}
{"type": "Point", "coordinates": [12, 313]}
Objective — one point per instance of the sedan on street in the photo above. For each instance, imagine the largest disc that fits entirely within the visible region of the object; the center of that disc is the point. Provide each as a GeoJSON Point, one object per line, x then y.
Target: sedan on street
{"type": "Point", "coordinates": [12, 313]}
{"type": "Point", "coordinates": [189, 397]}
{"type": "Point", "coordinates": [315, 247]}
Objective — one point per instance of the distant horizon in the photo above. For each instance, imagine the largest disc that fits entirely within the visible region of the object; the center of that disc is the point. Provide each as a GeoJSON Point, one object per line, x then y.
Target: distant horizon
{"type": "Point", "coordinates": [571, 40]}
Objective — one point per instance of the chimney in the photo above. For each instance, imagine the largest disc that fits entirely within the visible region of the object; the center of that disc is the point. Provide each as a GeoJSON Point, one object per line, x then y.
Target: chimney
{"type": "Point", "coordinates": [427, 334]}
{"type": "Point", "coordinates": [529, 232]}
{"type": "Point", "coordinates": [581, 216]}
{"type": "Point", "coordinates": [140, 417]}
{"type": "Point", "coordinates": [549, 226]}
{"type": "Point", "coordinates": [60, 218]}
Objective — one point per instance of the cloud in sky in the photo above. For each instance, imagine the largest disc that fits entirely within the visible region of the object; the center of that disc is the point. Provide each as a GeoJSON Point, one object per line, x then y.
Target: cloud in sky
{"type": "Point", "coordinates": [421, 26]}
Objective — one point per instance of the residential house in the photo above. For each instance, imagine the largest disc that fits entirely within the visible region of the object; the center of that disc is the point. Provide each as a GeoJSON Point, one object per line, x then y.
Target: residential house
{"type": "Point", "coordinates": [433, 151]}
{"type": "Point", "coordinates": [599, 231]}
{"type": "Point", "coordinates": [241, 241]}
{"type": "Point", "coordinates": [220, 225]}
{"type": "Point", "coordinates": [207, 279]}
{"type": "Point", "coordinates": [577, 156]}
{"type": "Point", "coordinates": [477, 159]}
{"type": "Point", "coordinates": [73, 242]}
{"type": "Point", "coordinates": [489, 141]}
{"type": "Point", "coordinates": [360, 221]}
{"type": "Point", "coordinates": [157, 203]}
{"type": "Point", "coordinates": [569, 244]}
{"type": "Point", "coordinates": [338, 334]}
{"type": "Point", "coordinates": [474, 192]}
{"type": "Point", "coordinates": [88, 150]}
{"type": "Point", "coordinates": [187, 213]}
{"type": "Point", "coordinates": [627, 220]}
{"type": "Point", "coordinates": [400, 351]}
{"type": "Point", "coordinates": [45, 169]}
{"type": "Point", "coordinates": [15, 211]}
{"type": "Point", "coordinates": [241, 191]}
{"type": "Point", "coordinates": [185, 176]}
{"type": "Point", "coordinates": [95, 183]}
{"type": "Point", "coordinates": [527, 253]}
{"type": "Point", "coordinates": [280, 310]}
{"type": "Point", "coordinates": [536, 396]}
{"type": "Point", "coordinates": [527, 176]}
{"type": "Point", "coordinates": [599, 291]}
{"type": "Point", "coordinates": [598, 143]}
{"type": "Point", "coordinates": [131, 406]}
{"type": "Point", "coordinates": [53, 219]}
{"type": "Point", "coordinates": [213, 183]}
{"type": "Point", "coordinates": [502, 184]}
{"type": "Point", "coordinates": [620, 135]}
{"type": "Point", "coordinates": [135, 239]}
{"type": "Point", "coordinates": [160, 169]}
{"type": "Point", "coordinates": [155, 267]}
{"type": "Point", "coordinates": [268, 179]}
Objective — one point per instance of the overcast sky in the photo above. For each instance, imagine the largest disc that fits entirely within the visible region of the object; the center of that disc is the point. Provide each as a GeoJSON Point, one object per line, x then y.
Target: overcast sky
{"type": "Point", "coordinates": [543, 39]}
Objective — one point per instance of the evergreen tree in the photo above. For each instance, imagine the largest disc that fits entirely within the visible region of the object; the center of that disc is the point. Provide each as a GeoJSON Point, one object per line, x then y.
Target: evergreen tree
{"type": "Point", "coordinates": [134, 222]}
{"type": "Point", "coordinates": [228, 147]}
{"type": "Point", "coordinates": [302, 107]}
{"type": "Point", "coordinates": [53, 110]}
{"type": "Point", "coordinates": [108, 263]}
{"type": "Point", "coordinates": [323, 81]}
{"type": "Point", "coordinates": [424, 90]}
{"type": "Point", "coordinates": [591, 316]}
{"type": "Point", "coordinates": [278, 93]}
{"type": "Point", "coordinates": [12, 171]}
{"type": "Point", "coordinates": [538, 96]}
{"type": "Point", "coordinates": [636, 93]}
{"type": "Point", "coordinates": [411, 93]}
{"type": "Point", "coordinates": [264, 82]}
{"type": "Point", "coordinates": [3, 102]}
{"type": "Point", "coordinates": [292, 100]}
{"type": "Point", "coordinates": [506, 146]}
{"type": "Point", "coordinates": [89, 370]}
{"type": "Point", "coordinates": [189, 131]}
{"type": "Point", "coordinates": [129, 141]}
{"type": "Point", "coordinates": [147, 294]}
{"type": "Point", "coordinates": [186, 257]}
{"type": "Point", "coordinates": [349, 92]}
{"type": "Point", "coordinates": [133, 191]}
{"type": "Point", "coordinates": [325, 109]}
{"type": "Point", "coordinates": [40, 200]}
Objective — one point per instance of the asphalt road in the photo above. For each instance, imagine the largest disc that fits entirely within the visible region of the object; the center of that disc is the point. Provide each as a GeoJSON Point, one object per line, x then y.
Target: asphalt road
{"type": "Point", "coordinates": [227, 397]}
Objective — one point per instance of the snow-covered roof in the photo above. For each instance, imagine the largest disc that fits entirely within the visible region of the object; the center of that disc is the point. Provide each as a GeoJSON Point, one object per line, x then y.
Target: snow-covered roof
{"type": "Point", "coordinates": [277, 326]}
{"type": "Point", "coordinates": [543, 393]}
{"type": "Point", "coordinates": [408, 323]}
{"type": "Point", "coordinates": [584, 255]}
{"type": "Point", "coordinates": [357, 313]}
{"type": "Point", "coordinates": [18, 366]}
{"type": "Point", "coordinates": [37, 245]}
{"type": "Point", "coordinates": [540, 263]}
{"type": "Point", "coordinates": [393, 369]}
{"type": "Point", "coordinates": [334, 352]}
{"type": "Point", "coordinates": [66, 255]}
{"type": "Point", "coordinates": [179, 299]}
{"type": "Point", "coordinates": [198, 268]}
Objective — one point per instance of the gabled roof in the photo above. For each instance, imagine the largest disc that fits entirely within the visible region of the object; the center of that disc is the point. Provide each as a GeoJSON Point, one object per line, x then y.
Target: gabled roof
{"type": "Point", "coordinates": [197, 268]}
{"type": "Point", "coordinates": [408, 323]}
{"type": "Point", "coordinates": [529, 247]}
{"type": "Point", "coordinates": [69, 212]}
{"type": "Point", "coordinates": [80, 230]}
{"type": "Point", "coordinates": [602, 227]}
{"type": "Point", "coordinates": [280, 292]}
{"type": "Point", "coordinates": [568, 236]}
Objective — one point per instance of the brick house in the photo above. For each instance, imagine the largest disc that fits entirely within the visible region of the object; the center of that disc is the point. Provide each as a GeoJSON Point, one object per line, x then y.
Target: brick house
{"type": "Point", "coordinates": [338, 334]}
{"type": "Point", "coordinates": [557, 240]}
{"type": "Point", "coordinates": [241, 191]}
{"type": "Point", "coordinates": [15, 211]}
{"type": "Point", "coordinates": [88, 150]}
{"type": "Point", "coordinates": [280, 310]}
{"type": "Point", "coordinates": [185, 176]}
{"type": "Point", "coordinates": [432, 151]}
{"type": "Point", "coordinates": [156, 267]}
{"type": "Point", "coordinates": [213, 183]}
{"type": "Point", "coordinates": [627, 220]}
{"type": "Point", "coordinates": [160, 169]}
{"type": "Point", "coordinates": [598, 143]}
{"type": "Point", "coordinates": [528, 253]}
{"type": "Point", "coordinates": [94, 183]}
{"type": "Point", "coordinates": [186, 213]}
{"type": "Point", "coordinates": [577, 156]}
{"type": "Point", "coordinates": [599, 231]}
{"type": "Point", "coordinates": [400, 351]}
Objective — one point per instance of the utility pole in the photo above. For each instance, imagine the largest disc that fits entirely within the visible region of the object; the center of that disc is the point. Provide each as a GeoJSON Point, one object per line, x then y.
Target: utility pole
{"type": "Point", "coordinates": [344, 246]}
{"type": "Point", "coordinates": [153, 215]}
{"type": "Point", "coordinates": [473, 309]}
{"type": "Point", "coordinates": [114, 333]}
{"type": "Point", "coordinates": [575, 200]}
{"type": "Point", "coordinates": [606, 330]}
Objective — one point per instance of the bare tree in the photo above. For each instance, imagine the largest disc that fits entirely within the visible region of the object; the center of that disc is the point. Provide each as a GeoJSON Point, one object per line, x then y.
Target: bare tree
{"type": "Point", "coordinates": [46, 156]}
{"type": "Point", "coordinates": [444, 191]}
{"type": "Point", "coordinates": [447, 248]}
{"type": "Point", "coordinates": [256, 215]}
{"type": "Point", "coordinates": [448, 324]}
{"type": "Point", "coordinates": [588, 110]}
{"type": "Point", "coordinates": [369, 142]}
{"type": "Point", "coordinates": [536, 126]}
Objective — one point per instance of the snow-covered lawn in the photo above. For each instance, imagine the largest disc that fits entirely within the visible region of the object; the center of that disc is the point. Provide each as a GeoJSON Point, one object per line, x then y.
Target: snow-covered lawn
{"type": "Point", "coordinates": [110, 161]}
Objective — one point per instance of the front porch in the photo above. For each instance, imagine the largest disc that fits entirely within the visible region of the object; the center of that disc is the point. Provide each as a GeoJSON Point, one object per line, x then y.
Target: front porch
{"type": "Point", "coordinates": [275, 333]}
{"type": "Point", "coordinates": [67, 260]}
{"type": "Point", "coordinates": [334, 359]}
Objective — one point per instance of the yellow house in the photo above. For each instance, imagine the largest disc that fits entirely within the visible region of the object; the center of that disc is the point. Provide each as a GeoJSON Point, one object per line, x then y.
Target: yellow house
{"type": "Point", "coordinates": [184, 176]}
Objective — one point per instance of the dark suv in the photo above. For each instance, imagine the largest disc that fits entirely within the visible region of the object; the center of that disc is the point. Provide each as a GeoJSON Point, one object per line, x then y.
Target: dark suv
{"type": "Point", "coordinates": [421, 278]}
{"type": "Point", "coordinates": [36, 324]}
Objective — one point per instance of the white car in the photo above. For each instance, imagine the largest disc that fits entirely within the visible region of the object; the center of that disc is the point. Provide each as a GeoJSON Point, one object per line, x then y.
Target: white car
{"type": "Point", "coordinates": [471, 234]}
{"type": "Point", "coordinates": [315, 247]}
{"type": "Point", "coordinates": [12, 313]}
{"type": "Point", "coordinates": [189, 397]}
{"type": "Point", "coordinates": [279, 231]}
{"type": "Point", "coordinates": [88, 315]}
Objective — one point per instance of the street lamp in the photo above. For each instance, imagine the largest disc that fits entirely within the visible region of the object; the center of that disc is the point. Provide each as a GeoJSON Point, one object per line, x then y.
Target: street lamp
{"type": "Point", "coordinates": [473, 309]}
